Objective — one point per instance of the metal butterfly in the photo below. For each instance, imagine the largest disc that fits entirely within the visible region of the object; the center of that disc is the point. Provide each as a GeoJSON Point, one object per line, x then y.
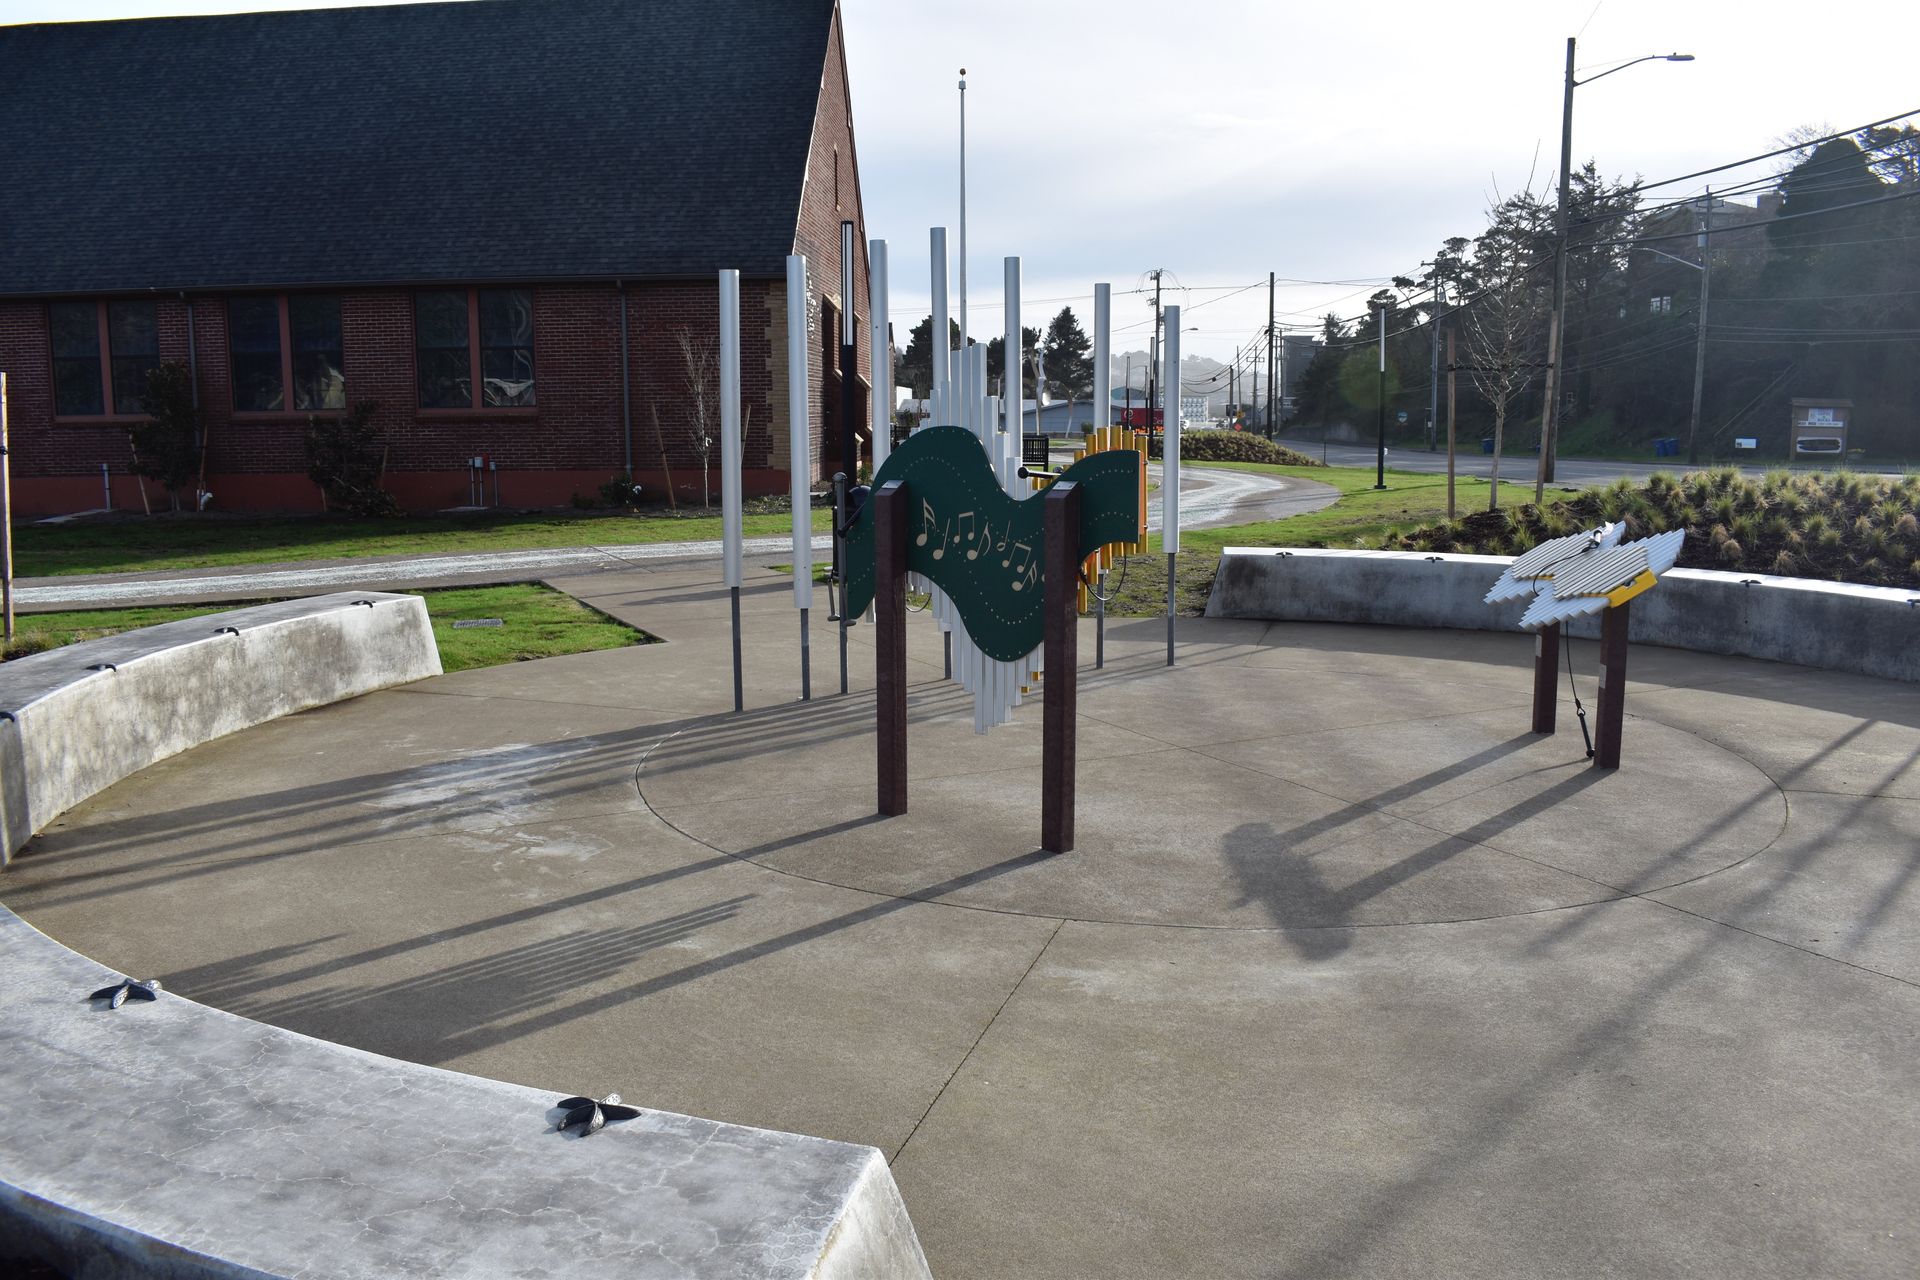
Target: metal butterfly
{"type": "Point", "coordinates": [119, 993]}
{"type": "Point", "coordinates": [589, 1116]}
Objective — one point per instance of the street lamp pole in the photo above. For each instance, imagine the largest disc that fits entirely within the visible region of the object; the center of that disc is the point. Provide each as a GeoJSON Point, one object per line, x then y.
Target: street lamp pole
{"type": "Point", "coordinates": [1380, 460]}
{"type": "Point", "coordinates": [1556, 325]}
{"type": "Point", "coordinates": [1550, 411]}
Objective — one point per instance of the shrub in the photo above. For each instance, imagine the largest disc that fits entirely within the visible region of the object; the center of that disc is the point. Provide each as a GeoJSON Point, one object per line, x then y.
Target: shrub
{"type": "Point", "coordinates": [620, 491]}
{"type": "Point", "coordinates": [1843, 527]}
{"type": "Point", "coordinates": [166, 447]}
{"type": "Point", "coordinates": [347, 459]}
{"type": "Point", "coordinates": [1233, 446]}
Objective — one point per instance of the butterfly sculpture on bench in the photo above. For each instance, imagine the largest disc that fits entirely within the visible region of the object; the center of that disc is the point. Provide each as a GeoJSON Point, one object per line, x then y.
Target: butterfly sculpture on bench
{"type": "Point", "coordinates": [589, 1116]}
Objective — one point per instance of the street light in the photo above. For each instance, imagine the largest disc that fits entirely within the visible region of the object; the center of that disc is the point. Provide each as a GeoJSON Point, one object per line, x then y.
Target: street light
{"type": "Point", "coordinates": [1550, 412]}
{"type": "Point", "coordinates": [1380, 459]}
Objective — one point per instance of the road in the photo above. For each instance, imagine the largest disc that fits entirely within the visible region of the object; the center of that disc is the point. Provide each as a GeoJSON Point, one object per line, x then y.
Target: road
{"type": "Point", "coordinates": [1210, 498]}
{"type": "Point", "coordinates": [1573, 472]}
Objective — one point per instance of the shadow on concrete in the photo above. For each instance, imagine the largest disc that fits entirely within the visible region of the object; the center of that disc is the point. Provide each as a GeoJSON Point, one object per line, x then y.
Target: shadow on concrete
{"type": "Point", "coordinates": [242, 977]}
{"type": "Point", "coordinates": [501, 998]}
{"type": "Point", "coordinates": [1272, 871]}
{"type": "Point", "coordinates": [507, 787]}
{"type": "Point", "coordinates": [437, 1014]}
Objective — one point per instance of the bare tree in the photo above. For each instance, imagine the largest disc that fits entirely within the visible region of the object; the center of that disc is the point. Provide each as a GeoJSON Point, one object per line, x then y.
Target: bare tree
{"type": "Point", "coordinates": [1502, 326]}
{"type": "Point", "coordinates": [700, 358]}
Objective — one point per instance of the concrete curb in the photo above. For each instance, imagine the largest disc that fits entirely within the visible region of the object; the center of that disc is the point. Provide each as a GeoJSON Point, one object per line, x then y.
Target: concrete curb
{"type": "Point", "coordinates": [1833, 626]}
{"type": "Point", "coordinates": [75, 720]}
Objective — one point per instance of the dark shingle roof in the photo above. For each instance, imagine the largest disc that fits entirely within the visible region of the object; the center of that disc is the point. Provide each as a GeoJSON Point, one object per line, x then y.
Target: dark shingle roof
{"type": "Point", "coordinates": [497, 139]}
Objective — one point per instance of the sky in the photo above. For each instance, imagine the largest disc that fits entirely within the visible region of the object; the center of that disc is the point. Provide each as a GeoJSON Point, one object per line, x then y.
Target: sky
{"type": "Point", "coordinates": [1220, 140]}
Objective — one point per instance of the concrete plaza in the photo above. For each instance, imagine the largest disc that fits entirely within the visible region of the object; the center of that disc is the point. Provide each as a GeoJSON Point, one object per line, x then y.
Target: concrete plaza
{"type": "Point", "coordinates": [1349, 975]}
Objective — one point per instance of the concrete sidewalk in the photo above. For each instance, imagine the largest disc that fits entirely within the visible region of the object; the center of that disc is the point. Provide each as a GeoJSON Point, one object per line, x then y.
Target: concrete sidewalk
{"type": "Point", "coordinates": [1210, 498]}
{"type": "Point", "coordinates": [1349, 975]}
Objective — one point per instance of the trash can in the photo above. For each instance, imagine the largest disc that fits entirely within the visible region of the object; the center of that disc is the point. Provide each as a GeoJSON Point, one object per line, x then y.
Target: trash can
{"type": "Point", "coordinates": [1486, 446]}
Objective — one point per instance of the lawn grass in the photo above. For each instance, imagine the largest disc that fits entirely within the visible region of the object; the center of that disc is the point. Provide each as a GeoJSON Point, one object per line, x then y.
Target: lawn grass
{"type": "Point", "coordinates": [118, 544]}
{"type": "Point", "coordinates": [536, 622]}
{"type": "Point", "coordinates": [1362, 517]}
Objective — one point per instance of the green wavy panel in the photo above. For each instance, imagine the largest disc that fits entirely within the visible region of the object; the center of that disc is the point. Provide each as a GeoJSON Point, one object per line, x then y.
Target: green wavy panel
{"type": "Point", "coordinates": [981, 547]}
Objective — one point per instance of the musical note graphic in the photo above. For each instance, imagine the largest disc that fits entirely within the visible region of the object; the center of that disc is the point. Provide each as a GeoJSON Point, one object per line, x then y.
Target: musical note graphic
{"type": "Point", "coordinates": [986, 537]}
{"type": "Point", "coordinates": [966, 520]}
{"type": "Point", "coordinates": [1028, 568]}
{"type": "Point", "coordinates": [926, 523]}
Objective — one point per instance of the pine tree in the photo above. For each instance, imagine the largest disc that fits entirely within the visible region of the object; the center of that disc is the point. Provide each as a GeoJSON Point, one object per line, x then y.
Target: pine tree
{"type": "Point", "coordinates": [1069, 358]}
{"type": "Point", "coordinates": [916, 365]}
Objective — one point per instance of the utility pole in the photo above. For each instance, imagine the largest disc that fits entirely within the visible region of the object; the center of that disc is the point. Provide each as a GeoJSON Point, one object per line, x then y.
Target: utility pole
{"type": "Point", "coordinates": [1153, 362]}
{"type": "Point", "coordinates": [1700, 321]}
{"type": "Point", "coordinates": [1433, 378]}
{"type": "Point", "coordinates": [1556, 324]}
{"type": "Point", "coordinates": [1233, 380]}
{"type": "Point", "coordinates": [1450, 421]}
{"type": "Point", "coordinates": [1274, 393]}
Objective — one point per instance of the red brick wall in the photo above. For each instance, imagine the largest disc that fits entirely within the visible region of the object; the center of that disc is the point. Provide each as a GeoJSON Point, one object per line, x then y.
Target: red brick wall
{"type": "Point", "coordinates": [570, 443]}
{"type": "Point", "coordinates": [817, 235]}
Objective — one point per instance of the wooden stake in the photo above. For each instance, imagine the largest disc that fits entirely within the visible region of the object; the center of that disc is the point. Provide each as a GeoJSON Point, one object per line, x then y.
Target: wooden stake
{"type": "Point", "coordinates": [138, 478]}
{"type": "Point", "coordinates": [661, 440]}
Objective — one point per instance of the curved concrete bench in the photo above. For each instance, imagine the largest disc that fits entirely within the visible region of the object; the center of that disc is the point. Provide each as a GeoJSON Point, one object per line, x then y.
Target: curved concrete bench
{"type": "Point", "coordinates": [174, 1140]}
{"type": "Point", "coordinates": [75, 720]}
{"type": "Point", "coordinates": [1836, 626]}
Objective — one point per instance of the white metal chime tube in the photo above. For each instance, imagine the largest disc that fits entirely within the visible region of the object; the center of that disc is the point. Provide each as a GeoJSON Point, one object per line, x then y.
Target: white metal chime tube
{"type": "Point", "coordinates": [1014, 373]}
{"type": "Point", "coordinates": [937, 340]}
{"type": "Point", "coordinates": [1102, 355]}
{"type": "Point", "coordinates": [799, 445]}
{"type": "Point", "coordinates": [730, 498]}
{"type": "Point", "coordinates": [881, 326]}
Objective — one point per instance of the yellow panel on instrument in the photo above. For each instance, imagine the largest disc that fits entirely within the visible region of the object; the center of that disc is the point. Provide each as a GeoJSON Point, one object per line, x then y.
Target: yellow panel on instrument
{"type": "Point", "coordinates": [1620, 595]}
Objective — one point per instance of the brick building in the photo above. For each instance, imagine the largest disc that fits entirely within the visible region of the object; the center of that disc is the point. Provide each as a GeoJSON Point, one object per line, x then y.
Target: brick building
{"type": "Point", "coordinates": [449, 209]}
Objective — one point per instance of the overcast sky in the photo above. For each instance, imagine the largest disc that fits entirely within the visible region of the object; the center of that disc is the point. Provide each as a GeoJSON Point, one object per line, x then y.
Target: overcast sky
{"type": "Point", "coordinates": [1223, 139]}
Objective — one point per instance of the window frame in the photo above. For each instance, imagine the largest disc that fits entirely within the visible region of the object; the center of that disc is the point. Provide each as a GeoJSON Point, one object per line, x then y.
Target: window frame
{"type": "Point", "coordinates": [288, 411]}
{"type": "Point", "coordinates": [108, 416]}
{"type": "Point", "coordinates": [476, 389]}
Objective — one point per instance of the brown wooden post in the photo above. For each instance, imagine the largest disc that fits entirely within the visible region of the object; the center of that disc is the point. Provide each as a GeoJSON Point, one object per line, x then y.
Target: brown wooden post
{"type": "Point", "coordinates": [1546, 673]}
{"type": "Point", "coordinates": [1060, 530]}
{"type": "Point", "coordinates": [1613, 688]}
{"type": "Point", "coordinates": [890, 643]}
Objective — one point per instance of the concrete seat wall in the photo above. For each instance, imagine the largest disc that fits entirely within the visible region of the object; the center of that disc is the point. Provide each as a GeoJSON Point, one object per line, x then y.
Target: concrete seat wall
{"type": "Point", "coordinates": [170, 1139]}
{"type": "Point", "coordinates": [174, 1140]}
{"type": "Point", "coordinates": [75, 720]}
{"type": "Point", "coordinates": [1835, 626]}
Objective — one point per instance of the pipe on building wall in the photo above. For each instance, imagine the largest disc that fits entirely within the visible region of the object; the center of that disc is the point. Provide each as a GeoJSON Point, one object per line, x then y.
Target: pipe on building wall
{"type": "Point", "coordinates": [193, 355]}
{"type": "Point", "coordinates": [626, 380]}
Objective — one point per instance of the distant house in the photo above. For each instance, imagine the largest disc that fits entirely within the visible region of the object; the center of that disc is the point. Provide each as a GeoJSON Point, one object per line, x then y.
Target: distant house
{"type": "Point", "coordinates": [495, 219]}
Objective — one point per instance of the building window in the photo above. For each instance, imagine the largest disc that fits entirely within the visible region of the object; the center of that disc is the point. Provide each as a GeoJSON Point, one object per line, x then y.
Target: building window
{"type": "Point", "coordinates": [319, 382]}
{"type": "Point", "coordinates": [102, 352]}
{"type": "Point", "coordinates": [459, 331]}
{"type": "Point", "coordinates": [281, 341]}
{"type": "Point", "coordinates": [1660, 304]}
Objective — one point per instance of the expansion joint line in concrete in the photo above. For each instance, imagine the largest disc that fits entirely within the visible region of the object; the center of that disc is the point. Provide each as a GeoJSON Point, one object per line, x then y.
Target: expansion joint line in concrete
{"type": "Point", "coordinates": [953, 1075]}
{"type": "Point", "coordinates": [1767, 937]}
